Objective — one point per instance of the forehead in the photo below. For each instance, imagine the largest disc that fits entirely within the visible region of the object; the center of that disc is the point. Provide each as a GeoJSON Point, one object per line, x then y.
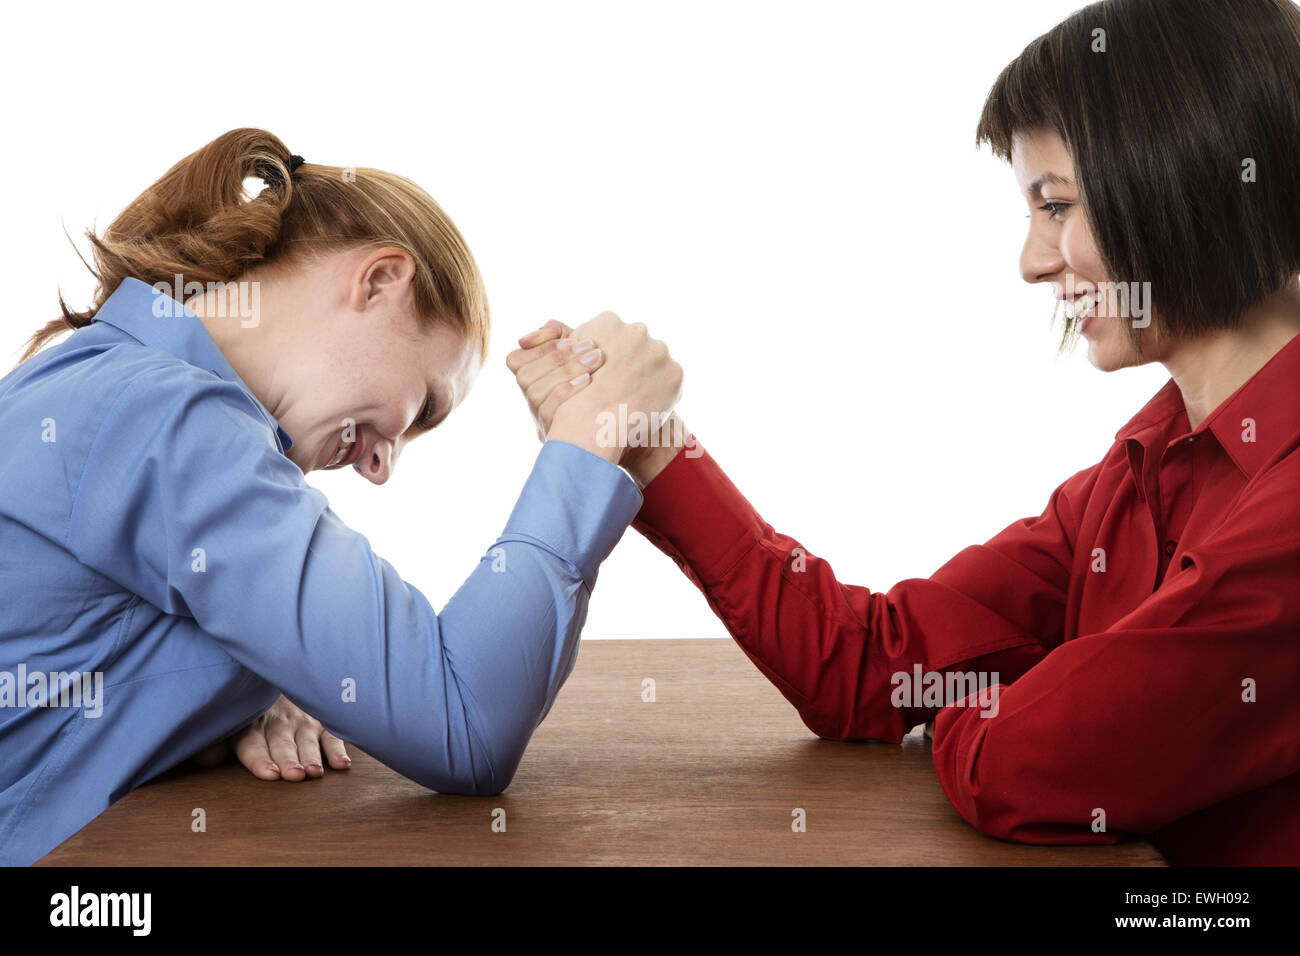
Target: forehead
{"type": "Point", "coordinates": [1040, 153]}
{"type": "Point", "coordinates": [454, 360]}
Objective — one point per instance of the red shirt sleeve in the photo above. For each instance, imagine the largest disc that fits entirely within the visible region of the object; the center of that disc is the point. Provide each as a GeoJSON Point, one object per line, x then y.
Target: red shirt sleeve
{"type": "Point", "coordinates": [832, 648]}
{"type": "Point", "coordinates": [1144, 721]}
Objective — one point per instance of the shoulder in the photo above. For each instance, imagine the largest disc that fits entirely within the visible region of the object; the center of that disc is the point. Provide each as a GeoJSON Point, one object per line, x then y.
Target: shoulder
{"type": "Point", "coordinates": [79, 385]}
{"type": "Point", "coordinates": [92, 415]}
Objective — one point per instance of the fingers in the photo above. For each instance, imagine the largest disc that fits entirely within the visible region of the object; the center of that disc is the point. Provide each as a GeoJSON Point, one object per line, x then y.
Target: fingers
{"type": "Point", "coordinates": [556, 360]}
{"type": "Point", "coordinates": [570, 377]}
{"type": "Point", "coordinates": [308, 742]}
{"type": "Point", "coordinates": [560, 394]}
{"type": "Point", "coordinates": [335, 751]}
{"type": "Point", "coordinates": [252, 750]}
{"type": "Point", "coordinates": [287, 743]}
{"type": "Point", "coordinates": [554, 329]}
{"type": "Point", "coordinates": [284, 748]}
{"type": "Point", "coordinates": [563, 361]}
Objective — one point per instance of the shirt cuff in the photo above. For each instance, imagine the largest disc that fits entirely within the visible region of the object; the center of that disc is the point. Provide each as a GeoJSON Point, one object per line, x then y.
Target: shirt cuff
{"type": "Point", "coordinates": [692, 512]}
{"type": "Point", "coordinates": [576, 505]}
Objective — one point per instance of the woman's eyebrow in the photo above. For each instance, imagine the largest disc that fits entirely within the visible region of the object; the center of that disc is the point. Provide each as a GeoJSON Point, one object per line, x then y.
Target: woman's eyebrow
{"type": "Point", "coordinates": [1035, 190]}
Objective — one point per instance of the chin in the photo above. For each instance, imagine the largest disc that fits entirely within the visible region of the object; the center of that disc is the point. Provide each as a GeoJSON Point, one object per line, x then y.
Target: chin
{"type": "Point", "coordinates": [1103, 359]}
{"type": "Point", "coordinates": [1106, 356]}
{"type": "Point", "coordinates": [1108, 350]}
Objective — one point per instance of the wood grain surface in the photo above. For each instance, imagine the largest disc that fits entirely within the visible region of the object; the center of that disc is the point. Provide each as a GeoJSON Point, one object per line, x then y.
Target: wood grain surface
{"type": "Point", "coordinates": [710, 772]}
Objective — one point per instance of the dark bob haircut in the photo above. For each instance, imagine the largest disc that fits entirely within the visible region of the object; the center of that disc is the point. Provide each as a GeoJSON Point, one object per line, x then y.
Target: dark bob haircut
{"type": "Point", "coordinates": [1182, 118]}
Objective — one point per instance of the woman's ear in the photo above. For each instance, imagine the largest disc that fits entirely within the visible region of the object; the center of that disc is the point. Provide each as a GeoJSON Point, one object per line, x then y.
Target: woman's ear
{"type": "Point", "coordinates": [383, 278]}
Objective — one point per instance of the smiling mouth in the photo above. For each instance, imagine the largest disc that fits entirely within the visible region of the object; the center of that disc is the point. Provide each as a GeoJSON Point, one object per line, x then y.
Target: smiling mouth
{"type": "Point", "coordinates": [1084, 307]}
{"type": "Point", "coordinates": [347, 454]}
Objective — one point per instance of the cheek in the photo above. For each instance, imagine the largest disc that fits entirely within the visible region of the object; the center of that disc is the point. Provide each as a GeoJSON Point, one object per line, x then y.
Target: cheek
{"type": "Point", "coordinates": [1080, 252]}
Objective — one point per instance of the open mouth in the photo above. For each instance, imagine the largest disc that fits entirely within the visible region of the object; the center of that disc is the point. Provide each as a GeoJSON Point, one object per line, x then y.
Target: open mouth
{"type": "Point", "coordinates": [348, 452]}
{"type": "Point", "coordinates": [1083, 310]}
{"type": "Point", "coordinates": [1085, 306]}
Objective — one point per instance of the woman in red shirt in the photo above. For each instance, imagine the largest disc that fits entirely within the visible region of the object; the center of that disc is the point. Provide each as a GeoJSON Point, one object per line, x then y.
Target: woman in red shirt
{"type": "Point", "coordinates": [1128, 661]}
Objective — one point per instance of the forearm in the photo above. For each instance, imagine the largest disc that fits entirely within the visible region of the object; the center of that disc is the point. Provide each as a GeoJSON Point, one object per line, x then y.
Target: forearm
{"type": "Point", "coordinates": [510, 639]}
{"type": "Point", "coordinates": [833, 649]}
{"type": "Point", "coordinates": [805, 631]}
{"type": "Point", "coordinates": [510, 635]}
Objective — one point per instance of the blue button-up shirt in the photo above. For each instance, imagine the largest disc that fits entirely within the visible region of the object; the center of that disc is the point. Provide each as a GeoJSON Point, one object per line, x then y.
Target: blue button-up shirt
{"type": "Point", "coordinates": [159, 551]}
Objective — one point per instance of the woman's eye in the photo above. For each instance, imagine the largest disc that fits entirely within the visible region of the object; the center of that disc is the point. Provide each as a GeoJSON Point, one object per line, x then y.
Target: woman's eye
{"type": "Point", "coordinates": [425, 421]}
{"type": "Point", "coordinates": [1054, 209]}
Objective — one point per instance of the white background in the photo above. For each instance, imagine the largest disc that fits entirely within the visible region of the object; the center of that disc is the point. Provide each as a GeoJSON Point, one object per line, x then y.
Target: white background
{"type": "Point", "coordinates": [787, 194]}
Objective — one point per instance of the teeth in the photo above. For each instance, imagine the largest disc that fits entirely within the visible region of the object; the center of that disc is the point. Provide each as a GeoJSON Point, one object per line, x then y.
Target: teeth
{"type": "Point", "coordinates": [342, 453]}
{"type": "Point", "coordinates": [1080, 306]}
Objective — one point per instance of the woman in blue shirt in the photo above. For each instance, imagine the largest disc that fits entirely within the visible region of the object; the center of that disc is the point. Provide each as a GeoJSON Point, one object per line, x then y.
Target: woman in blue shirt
{"type": "Point", "coordinates": [166, 570]}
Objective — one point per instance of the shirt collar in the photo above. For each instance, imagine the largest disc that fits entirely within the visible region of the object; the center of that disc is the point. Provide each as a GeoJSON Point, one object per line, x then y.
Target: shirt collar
{"type": "Point", "coordinates": [1250, 425]}
{"type": "Point", "coordinates": [156, 319]}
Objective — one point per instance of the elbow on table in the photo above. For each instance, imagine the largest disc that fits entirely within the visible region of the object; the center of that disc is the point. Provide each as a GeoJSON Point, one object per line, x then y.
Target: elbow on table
{"type": "Point", "coordinates": [1022, 825]}
{"type": "Point", "coordinates": [470, 783]}
{"type": "Point", "coordinates": [1003, 808]}
{"type": "Point", "coordinates": [483, 774]}
{"type": "Point", "coordinates": [838, 727]}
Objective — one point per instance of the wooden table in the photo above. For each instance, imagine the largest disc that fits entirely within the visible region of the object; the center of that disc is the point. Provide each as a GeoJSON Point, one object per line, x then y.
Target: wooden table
{"type": "Point", "coordinates": [711, 772]}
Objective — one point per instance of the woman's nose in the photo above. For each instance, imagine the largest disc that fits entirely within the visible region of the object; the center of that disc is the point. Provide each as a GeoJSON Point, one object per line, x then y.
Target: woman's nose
{"type": "Point", "coordinates": [378, 462]}
{"type": "Point", "coordinates": [1040, 261]}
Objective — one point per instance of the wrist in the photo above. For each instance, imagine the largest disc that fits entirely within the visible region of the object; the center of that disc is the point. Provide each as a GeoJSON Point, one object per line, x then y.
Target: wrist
{"type": "Point", "coordinates": [585, 439]}
{"type": "Point", "coordinates": [645, 463]}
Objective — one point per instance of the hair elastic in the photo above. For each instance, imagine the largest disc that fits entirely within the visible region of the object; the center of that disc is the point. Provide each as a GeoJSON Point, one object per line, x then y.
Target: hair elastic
{"type": "Point", "coordinates": [273, 176]}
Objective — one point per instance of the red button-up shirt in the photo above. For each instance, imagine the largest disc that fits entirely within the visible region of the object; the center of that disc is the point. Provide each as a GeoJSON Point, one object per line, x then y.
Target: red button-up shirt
{"type": "Point", "coordinates": [1144, 631]}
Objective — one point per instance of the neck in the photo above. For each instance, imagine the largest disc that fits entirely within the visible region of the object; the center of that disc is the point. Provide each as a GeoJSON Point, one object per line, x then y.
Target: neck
{"type": "Point", "coordinates": [1209, 369]}
{"type": "Point", "coordinates": [248, 341]}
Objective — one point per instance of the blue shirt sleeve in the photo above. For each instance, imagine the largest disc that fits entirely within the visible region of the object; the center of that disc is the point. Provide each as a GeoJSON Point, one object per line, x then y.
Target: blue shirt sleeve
{"type": "Point", "coordinates": [186, 500]}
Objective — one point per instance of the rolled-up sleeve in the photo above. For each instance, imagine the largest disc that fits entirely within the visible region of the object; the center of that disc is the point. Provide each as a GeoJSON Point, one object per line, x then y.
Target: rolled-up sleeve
{"type": "Point", "coordinates": [186, 500]}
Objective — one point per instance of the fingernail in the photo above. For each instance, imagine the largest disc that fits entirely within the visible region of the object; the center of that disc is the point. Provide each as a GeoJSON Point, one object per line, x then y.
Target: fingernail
{"type": "Point", "coordinates": [274, 768]}
{"type": "Point", "coordinates": [295, 766]}
{"type": "Point", "coordinates": [345, 758]}
{"type": "Point", "coordinates": [591, 359]}
{"type": "Point", "coordinates": [315, 766]}
{"type": "Point", "coordinates": [580, 379]}
{"type": "Point", "coordinates": [580, 347]}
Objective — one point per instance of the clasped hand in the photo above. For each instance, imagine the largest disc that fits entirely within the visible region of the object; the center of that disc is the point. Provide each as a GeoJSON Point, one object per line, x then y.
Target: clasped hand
{"type": "Point", "coordinates": [576, 381]}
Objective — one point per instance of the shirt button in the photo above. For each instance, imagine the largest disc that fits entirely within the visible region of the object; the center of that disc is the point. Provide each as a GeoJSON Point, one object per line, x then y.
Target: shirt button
{"type": "Point", "coordinates": [1170, 547]}
{"type": "Point", "coordinates": [1192, 438]}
